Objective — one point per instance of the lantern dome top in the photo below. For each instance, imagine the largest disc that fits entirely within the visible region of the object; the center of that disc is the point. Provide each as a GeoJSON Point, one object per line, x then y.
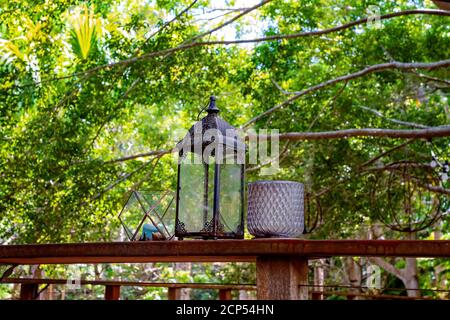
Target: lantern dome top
{"type": "Point", "coordinates": [211, 127]}
{"type": "Point", "coordinates": [212, 108]}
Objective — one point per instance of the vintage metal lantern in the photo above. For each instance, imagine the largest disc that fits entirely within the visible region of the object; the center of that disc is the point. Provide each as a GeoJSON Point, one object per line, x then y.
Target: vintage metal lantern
{"type": "Point", "coordinates": [210, 185]}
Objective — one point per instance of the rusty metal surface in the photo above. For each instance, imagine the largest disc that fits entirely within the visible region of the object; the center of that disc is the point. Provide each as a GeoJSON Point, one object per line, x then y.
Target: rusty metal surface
{"type": "Point", "coordinates": [215, 250]}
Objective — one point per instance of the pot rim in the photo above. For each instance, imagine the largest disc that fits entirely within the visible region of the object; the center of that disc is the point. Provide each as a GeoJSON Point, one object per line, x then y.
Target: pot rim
{"type": "Point", "coordinates": [274, 182]}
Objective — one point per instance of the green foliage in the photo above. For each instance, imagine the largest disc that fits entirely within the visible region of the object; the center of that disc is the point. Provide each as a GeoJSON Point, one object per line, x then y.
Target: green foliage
{"type": "Point", "coordinates": [60, 127]}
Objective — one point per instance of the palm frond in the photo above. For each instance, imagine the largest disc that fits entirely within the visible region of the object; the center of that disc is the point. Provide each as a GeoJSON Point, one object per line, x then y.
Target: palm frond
{"type": "Point", "coordinates": [84, 33]}
{"type": "Point", "coordinates": [9, 52]}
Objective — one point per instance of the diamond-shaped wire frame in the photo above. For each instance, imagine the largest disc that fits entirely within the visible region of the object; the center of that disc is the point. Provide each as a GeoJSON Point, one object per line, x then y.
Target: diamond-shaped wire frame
{"type": "Point", "coordinates": [132, 215]}
{"type": "Point", "coordinates": [157, 207]}
{"type": "Point", "coordinates": [160, 210]}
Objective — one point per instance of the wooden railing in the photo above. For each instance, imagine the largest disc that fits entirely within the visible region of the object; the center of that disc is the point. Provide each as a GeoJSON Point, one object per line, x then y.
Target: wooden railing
{"type": "Point", "coordinates": [281, 264]}
{"type": "Point", "coordinates": [29, 288]}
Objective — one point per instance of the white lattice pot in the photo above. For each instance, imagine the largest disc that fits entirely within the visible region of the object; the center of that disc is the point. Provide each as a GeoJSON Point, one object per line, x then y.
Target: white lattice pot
{"type": "Point", "coordinates": [275, 209]}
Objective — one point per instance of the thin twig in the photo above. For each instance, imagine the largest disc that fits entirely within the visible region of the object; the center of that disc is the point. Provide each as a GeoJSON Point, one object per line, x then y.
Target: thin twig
{"type": "Point", "coordinates": [115, 183]}
{"type": "Point", "coordinates": [147, 175]}
{"type": "Point", "coordinates": [283, 91]}
{"type": "Point", "coordinates": [227, 9]}
{"type": "Point", "coordinates": [166, 24]}
{"type": "Point", "coordinates": [403, 123]}
{"type": "Point", "coordinates": [117, 106]}
{"type": "Point", "coordinates": [43, 289]}
{"type": "Point", "coordinates": [424, 76]}
{"type": "Point", "coordinates": [381, 155]}
{"type": "Point", "coordinates": [246, 11]}
{"type": "Point", "coordinates": [396, 166]}
{"type": "Point", "coordinates": [213, 18]}
{"type": "Point", "coordinates": [331, 102]}
{"type": "Point", "coordinates": [278, 157]}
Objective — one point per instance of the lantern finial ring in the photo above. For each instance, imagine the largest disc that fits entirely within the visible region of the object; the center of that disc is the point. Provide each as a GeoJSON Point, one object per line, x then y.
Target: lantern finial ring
{"type": "Point", "coordinates": [212, 105]}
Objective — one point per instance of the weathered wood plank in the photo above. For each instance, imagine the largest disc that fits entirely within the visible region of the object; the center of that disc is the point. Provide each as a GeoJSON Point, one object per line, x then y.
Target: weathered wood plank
{"type": "Point", "coordinates": [282, 278]}
{"type": "Point", "coordinates": [215, 251]}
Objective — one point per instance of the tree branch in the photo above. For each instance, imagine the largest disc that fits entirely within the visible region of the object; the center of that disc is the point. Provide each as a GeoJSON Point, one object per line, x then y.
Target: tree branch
{"type": "Point", "coordinates": [387, 266]}
{"type": "Point", "coordinates": [156, 158]}
{"type": "Point", "coordinates": [227, 9]}
{"type": "Point", "coordinates": [435, 189]}
{"type": "Point", "coordinates": [158, 153]}
{"type": "Point", "coordinates": [432, 132]}
{"type": "Point", "coordinates": [396, 166]}
{"type": "Point", "coordinates": [358, 74]}
{"type": "Point", "coordinates": [147, 175]}
{"type": "Point", "coordinates": [281, 88]}
{"type": "Point", "coordinates": [8, 272]}
{"type": "Point", "coordinates": [338, 28]}
{"type": "Point", "coordinates": [191, 44]}
{"type": "Point", "coordinates": [213, 18]}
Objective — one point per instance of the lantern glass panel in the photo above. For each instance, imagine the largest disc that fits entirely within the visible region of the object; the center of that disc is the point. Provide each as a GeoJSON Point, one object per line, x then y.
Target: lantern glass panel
{"type": "Point", "coordinates": [230, 196]}
{"type": "Point", "coordinates": [207, 220]}
{"type": "Point", "coordinates": [194, 207]}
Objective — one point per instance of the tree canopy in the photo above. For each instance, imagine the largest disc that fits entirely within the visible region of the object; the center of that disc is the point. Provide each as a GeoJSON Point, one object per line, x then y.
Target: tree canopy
{"type": "Point", "coordinates": [93, 94]}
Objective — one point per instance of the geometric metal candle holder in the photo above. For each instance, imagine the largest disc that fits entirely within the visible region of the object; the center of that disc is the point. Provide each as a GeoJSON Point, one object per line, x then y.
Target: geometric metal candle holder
{"type": "Point", "coordinates": [149, 215]}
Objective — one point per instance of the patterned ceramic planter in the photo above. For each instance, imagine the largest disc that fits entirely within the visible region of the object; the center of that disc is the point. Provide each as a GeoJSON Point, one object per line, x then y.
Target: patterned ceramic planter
{"type": "Point", "coordinates": [275, 209]}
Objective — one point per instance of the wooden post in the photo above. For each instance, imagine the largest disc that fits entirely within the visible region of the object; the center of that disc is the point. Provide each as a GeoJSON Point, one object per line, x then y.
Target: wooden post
{"type": "Point", "coordinates": [174, 293]}
{"type": "Point", "coordinates": [112, 292]}
{"type": "Point", "coordinates": [29, 291]}
{"type": "Point", "coordinates": [317, 295]}
{"type": "Point", "coordinates": [282, 278]}
{"type": "Point", "coordinates": [351, 297]}
{"type": "Point", "coordinates": [319, 278]}
{"type": "Point", "coordinates": [225, 294]}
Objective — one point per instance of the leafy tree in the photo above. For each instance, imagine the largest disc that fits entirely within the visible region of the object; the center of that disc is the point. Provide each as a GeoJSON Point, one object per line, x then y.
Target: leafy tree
{"type": "Point", "coordinates": [89, 90]}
